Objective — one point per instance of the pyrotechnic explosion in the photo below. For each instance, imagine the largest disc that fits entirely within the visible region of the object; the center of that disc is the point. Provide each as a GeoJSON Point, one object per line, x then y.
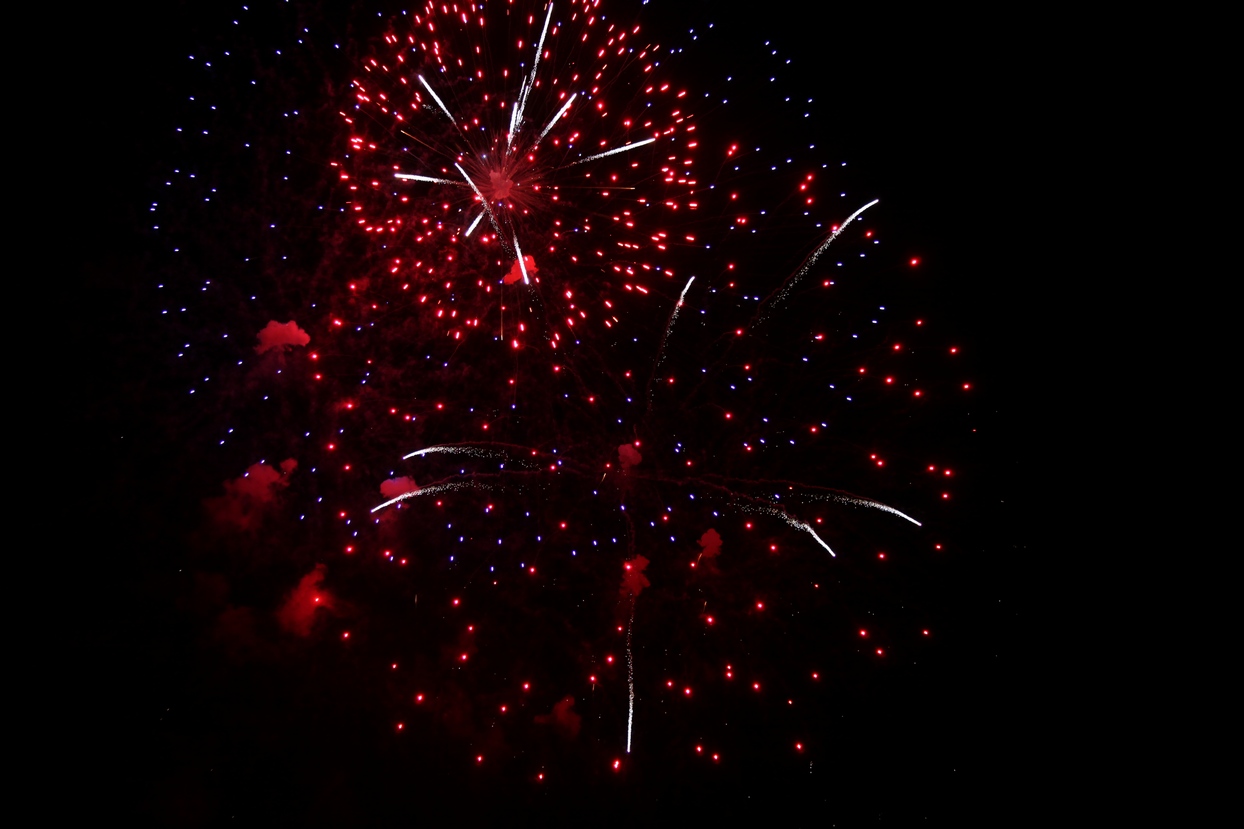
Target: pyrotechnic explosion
{"type": "Point", "coordinates": [558, 324]}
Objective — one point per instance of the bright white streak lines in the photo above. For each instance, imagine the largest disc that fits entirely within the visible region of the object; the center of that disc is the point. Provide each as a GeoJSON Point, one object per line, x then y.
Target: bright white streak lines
{"type": "Point", "coordinates": [864, 502]}
{"type": "Point", "coordinates": [435, 489]}
{"type": "Point", "coordinates": [487, 209]}
{"type": "Point", "coordinates": [474, 224]}
{"type": "Point", "coordinates": [614, 151]}
{"type": "Point", "coordinates": [522, 266]}
{"type": "Point", "coordinates": [472, 451]}
{"type": "Point", "coordinates": [816, 254]}
{"type": "Point", "coordinates": [436, 98]}
{"type": "Point", "coordinates": [799, 525]}
{"type": "Point", "coordinates": [429, 179]}
{"type": "Point", "coordinates": [630, 679]}
{"type": "Point", "coordinates": [556, 118]}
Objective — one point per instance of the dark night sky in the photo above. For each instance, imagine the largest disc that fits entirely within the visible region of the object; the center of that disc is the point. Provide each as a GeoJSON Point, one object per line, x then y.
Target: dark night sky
{"type": "Point", "coordinates": [953, 123]}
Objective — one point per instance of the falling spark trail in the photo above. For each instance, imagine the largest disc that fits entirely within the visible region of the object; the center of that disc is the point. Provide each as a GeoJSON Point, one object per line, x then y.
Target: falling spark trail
{"type": "Point", "coordinates": [799, 525]}
{"type": "Point", "coordinates": [865, 502]}
{"type": "Point", "coordinates": [472, 451]}
{"type": "Point", "coordinates": [665, 338]}
{"type": "Point", "coordinates": [630, 679]}
{"type": "Point", "coordinates": [435, 489]}
{"type": "Point", "coordinates": [531, 81]}
{"type": "Point", "coordinates": [474, 224]}
{"type": "Point", "coordinates": [784, 290]}
{"type": "Point", "coordinates": [438, 100]}
{"type": "Point", "coordinates": [429, 179]}
{"type": "Point", "coordinates": [614, 151]}
{"type": "Point", "coordinates": [522, 266]}
{"type": "Point", "coordinates": [484, 201]}
{"type": "Point", "coordinates": [555, 119]}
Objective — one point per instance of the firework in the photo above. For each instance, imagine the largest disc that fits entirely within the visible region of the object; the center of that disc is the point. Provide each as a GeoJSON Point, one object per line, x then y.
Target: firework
{"type": "Point", "coordinates": [565, 324]}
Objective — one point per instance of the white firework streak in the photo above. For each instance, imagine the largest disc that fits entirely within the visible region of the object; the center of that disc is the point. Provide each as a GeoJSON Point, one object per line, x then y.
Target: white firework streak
{"type": "Point", "coordinates": [673, 319]}
{"type": "Point", "coordinates": [531, 82]}
{"type": "Point", "coordinates": [555, 119]}
{"type": "Point", "coordinates": [435, 489]}
{"type": "Point", "coordinates": [778, 512]}
{"type": "Point", "coordinates": [630, 679]}
{"type": "Point", "coordinates": [484, 201]}
{"type": "Point", "coordinates": [429, 179]}
{"type": "Point", "coordinates": [865, 502]}
{"type": "Point", "coordinates": [438, 100]}
{"type": "Point", "coordinates": [471, 229]}
{"type": "Point", "coordinates": [522, 266]}
{"type": "Point", "coordinates": [450, 449]}
{"type": "Point", "coordinates": [811, 260]}
{"type": "Point", "coordinates": [614, 151]}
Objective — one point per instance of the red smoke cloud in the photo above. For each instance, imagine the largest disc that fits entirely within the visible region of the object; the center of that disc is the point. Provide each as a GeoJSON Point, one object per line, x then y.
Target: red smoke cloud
{"type": "Point", "coordinates": [710, 546]}
{"type": "Point", "coordinates": [398, 486]}
{"type": "Point", "coordinates": [628, 456]}
{"type": "Point", "coordinates": [563, 718]}
{"type": "Point", "coordinates": [241, 507]}
{"type": "Point", "coordinates": [298, 612]}
{"type": "Point", "coordinates": [281, 336]}
{"type": "Point", "coordinates": [516, 272]}
{"type": "Point", "coordinates": [633, 578]}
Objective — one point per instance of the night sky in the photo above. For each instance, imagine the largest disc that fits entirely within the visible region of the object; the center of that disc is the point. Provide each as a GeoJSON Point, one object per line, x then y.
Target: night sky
{"type": "Point", "coordinates": [213, 699]}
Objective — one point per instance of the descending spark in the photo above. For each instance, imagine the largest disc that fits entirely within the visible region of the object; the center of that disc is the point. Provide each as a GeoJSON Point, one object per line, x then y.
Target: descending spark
{"type": "Point", "coordinates": [484, 201]}
{"type": "Point", "coordinates": [555, 119]}
{"type": "Point", "coordinates": [665, 338]}
{"type": "Point", "coordinates": [455, 449]}
{"type": "Point", "coordinates": [474, 224]}
{"type": "Point", "coordinates": [614, 151]}
{"type": "Point", "coordinates": [435, 489]}
{"type": "Point", "coordinates": [781, 293]}
{"type": "Point", "coordinates": [429, 179]}
{"type": "Point", "coordinates": [522, 266]}
{"type": "Point", "coordinates": [630, 679]}
{"type": "Point", "coordinates": [438, 100]}
{"type": "Point", "coordinates": [865, 502]}
{"type": "Point", "coordinates": [768, 508]}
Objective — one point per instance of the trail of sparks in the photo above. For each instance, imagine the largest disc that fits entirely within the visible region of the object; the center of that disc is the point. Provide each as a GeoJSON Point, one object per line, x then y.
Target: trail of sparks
{"type": "Point", "coordinates": [429, 179]}
{"type": "Point", "coordinates": [474, 224]}
{"type": "Point", "coordinates": [454, 449]}
{"type": "Point", "coordinates": [438, 100]}
{"type": "Point", "coordinates": [781, 293]}
{"type": "Point", "coordinates": [522, 266]}
{"type": "Point", "coordinates": [555, 119]}
{"type": "Point", "coordinates": [630, 679]}
{"type": "Point", "coordinates": [865, 502]}
{"type": "Point", "coordinates": [434, 489]}
{"type": "Point", "coordinates": [614, 151]}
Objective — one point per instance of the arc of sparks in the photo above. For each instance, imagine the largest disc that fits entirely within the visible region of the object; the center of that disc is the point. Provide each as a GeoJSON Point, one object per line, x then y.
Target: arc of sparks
{"type": "Point", "coordinates": [555, 119]}
{"type": "Point", "coordinates": [447, 449]}
{"type": "Point", "coordinates": [624, 148]}
{"type": "Point", "coordinates": [522, 266]}
{"type": "Point", "coordinates": [516, 119]}
{"type": "Point", "coordinates": [782, 292]}
{"type": "Point", "coordinates": [487, 208]}
{"type": "Point", "coordinates": [429, 490]}
{"type": "Point", "coordinates": [429, 179]}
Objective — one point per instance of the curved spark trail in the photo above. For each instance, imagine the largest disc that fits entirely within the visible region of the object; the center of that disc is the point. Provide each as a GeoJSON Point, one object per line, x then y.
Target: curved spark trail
{"type": "Point", "coordinates": [781, 293]}
{"type": "Point", "coordinates": [455, 449]}
{"type": "Point", "coordinates": [630, 679]}
{"type": "Point", "coordinates": [435, 489]}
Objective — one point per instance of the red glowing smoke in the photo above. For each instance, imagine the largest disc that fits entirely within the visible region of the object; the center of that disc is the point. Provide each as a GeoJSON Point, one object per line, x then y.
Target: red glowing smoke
{"type": "Point", "coordinates": [516, 271]}
{"type": "Point", "coordinates": [241, 507]}
{"type": "Point", "coordinates": [563, 718]}
{"type": "Point", "coordinates": [633, 578]}
{"type": "Point", "coordinates": [298, 612]}
{"type": "Point", "coordinates": [281, 337]}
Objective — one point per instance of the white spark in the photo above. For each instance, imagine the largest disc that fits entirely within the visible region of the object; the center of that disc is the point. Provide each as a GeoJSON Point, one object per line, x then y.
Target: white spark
{"type": "Point", "coordinates": [630, 679]}
{"type": "Point", "coordinates": [435, 489]}
{"type": "Point", "coordinates": [429, 179]}
{"type": "Point", "coordinates": [454, 449]}
{"type": "Point", "coordinates": [614, 151]}
{"type": "Point", "coordinates": [811, 260]}
{"type": "Point", "coordinates": [522, 266]}
{"type": "Point", "coordinates": [471, 229]}
{"type": "Point", "coordinates": [865, 502]}
{"type": "Point", "coordinates": [556, 118]}
{"type": "Point", "coordinates": [436, 98]}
